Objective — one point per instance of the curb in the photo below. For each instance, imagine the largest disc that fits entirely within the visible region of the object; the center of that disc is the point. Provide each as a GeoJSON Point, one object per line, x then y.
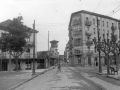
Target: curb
{"type": "Point", "coordinates": [15, 86]}
{"type": "Point", "coordinates": [112, 77]}
{"type": "Point", "coordinates": [108, 76]}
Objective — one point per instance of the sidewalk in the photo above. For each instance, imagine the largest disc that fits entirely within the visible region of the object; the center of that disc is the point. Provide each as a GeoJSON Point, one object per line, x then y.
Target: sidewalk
{"type": "Point", "coordinates": [104, 71]}
{"type": "Point", "coordinates": [117, 77]}
{"type": "Point", "coordinates": [9, 80]}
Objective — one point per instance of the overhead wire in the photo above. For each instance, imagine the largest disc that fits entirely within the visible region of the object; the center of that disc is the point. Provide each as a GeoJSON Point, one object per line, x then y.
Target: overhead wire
{"type": "Point", "coordinates": [42, 36]}
{"type": "Point", "coordinates": [97, 6]}
{"type": "Point", "coordinates": [113, 10]}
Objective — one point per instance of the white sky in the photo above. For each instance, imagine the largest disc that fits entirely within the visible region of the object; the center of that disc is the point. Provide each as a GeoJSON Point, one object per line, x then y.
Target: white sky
{"type": "Point", "coordinates": [53, 16]}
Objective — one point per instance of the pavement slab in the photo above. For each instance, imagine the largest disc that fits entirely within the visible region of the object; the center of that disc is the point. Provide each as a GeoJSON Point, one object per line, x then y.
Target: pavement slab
{"type": "Point", "coordinates": [57, 80]}
{"type": "Point", "coordinates": [13, 78]}
{"type": "Point", "coordinates": [105, 84]}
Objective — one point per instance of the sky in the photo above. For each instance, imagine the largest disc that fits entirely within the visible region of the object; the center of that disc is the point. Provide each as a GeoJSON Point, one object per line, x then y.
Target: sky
{"type": "Point", "coordinates": [54, 16]}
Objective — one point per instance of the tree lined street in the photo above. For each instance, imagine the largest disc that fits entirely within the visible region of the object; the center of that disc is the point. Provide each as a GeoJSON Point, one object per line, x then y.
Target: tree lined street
{"type": "Point", "coordinates": [67, 80]}
{"type": "Point", "coordinates": [89, 59]}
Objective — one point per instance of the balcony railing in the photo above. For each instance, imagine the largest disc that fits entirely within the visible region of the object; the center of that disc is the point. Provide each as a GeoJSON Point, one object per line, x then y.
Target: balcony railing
{"type": "Point", "coordinates": [88, 23]}
{"type": "Point", "coordinates": [78, 52]}
{"type": "Point", "coordinates": [77, 22]}
{"type": "Point", "coordinates": [89, 43]}
{"type": "Point", "coordinates": [77, 33]}
{"type": "Point", "coordinates": [88, 33]}
{"type": "Point", "coordinates": [113, 28]}
{"type": "Point", "coordinates": [78, 44]}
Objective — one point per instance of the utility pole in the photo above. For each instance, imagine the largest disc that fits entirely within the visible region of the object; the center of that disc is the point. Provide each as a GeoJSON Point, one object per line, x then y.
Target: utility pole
{"type": "Point", "coordinates": [48, 52]}
{"type": "Point", "coordinates": [33, 69]}
{"type": "Point", "coordinates": [100, 68]}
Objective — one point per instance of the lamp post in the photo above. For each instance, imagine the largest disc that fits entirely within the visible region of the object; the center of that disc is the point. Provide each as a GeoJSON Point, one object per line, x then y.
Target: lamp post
{"type": "Point", "coordinates": [33, 69]}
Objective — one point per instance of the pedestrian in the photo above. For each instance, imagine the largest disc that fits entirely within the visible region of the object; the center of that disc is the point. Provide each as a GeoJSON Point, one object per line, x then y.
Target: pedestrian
{"type": "Point", "coordinates": [59, 66]}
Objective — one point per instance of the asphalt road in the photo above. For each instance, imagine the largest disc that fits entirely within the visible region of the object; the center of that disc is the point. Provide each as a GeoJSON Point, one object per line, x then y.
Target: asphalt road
{"type": "Point", "coordinates": [57, 80]}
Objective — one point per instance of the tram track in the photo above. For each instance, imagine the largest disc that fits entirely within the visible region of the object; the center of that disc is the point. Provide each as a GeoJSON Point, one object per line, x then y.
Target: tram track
{"type": "Point", "coordinates": [96, 86]}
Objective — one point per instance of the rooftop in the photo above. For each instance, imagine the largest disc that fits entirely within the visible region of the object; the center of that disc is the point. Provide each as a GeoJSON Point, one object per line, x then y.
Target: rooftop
{"type": "Point", "coordinates": [96, 14]}
{"type": "Point", "coordinates": [54, 41]}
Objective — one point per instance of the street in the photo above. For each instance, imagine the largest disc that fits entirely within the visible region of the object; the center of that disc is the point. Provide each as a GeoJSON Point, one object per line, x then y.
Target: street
{"type": "Point", "coordinates": [65, 80]}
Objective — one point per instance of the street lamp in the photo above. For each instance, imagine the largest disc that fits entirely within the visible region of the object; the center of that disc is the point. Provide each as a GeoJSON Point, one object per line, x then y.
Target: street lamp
{"type": "Point", "coordinates": [33, 69]}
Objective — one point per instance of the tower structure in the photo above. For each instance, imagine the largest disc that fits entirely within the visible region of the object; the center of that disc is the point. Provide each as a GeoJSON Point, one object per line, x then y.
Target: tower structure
{"type": "Point", "coordinates": [54, 55]}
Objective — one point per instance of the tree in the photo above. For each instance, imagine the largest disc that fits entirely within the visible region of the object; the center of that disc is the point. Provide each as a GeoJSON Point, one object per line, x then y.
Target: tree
{"type": "Point", "coordinates": [104, 47]}
{"type": "Point", "coordinates": [115, 45]}
{"type": "Point", "coordinates": [14, 39]}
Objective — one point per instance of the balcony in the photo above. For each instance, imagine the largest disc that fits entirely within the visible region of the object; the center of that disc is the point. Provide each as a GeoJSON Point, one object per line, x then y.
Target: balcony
{"type": "Point", "coordinates": [113, 28]}
{"type": "Point", "coordinates": [88, 33]}
{"type": "Point", "coordinates": [77, 22]}
{"type": "Point", "coordinates": [30, 43]}
{"type": "Point", "coordinates": [78, 52]}
{"type": "Point", "coordinates": [88, 23]}
{"type": "Point", "coordinates": [77, 33]}
{"type": "Point", "coordinates": [78, 44]}
{"type": "Point", "coordinates": [89, 43]}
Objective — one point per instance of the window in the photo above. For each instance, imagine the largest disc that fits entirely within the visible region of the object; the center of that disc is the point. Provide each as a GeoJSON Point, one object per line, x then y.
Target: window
{"type": "Point", "coordinates": [107, 24]}
{"type": "Point", "coordinates": [112, 24]}
{"type": "Point", "coordinates": [103, 23]}
{"type": "Point", "coordinates": [93, 21]}
{"type": "Point", "coordinates": [86, 18]}
{"type": "Point", "coordinates": [108, 32]}
{"type": "Point", "coordinates": [98, 22]}
{"type": "Point", "coordinates": [94, 30]}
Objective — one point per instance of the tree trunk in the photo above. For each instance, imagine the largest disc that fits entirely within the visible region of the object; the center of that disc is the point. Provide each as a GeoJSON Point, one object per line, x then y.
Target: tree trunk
{"type": "Point", "coordinates": [108, 66]}
{"type": "Point", "coordinates": [10, 63]}
{"type": "Point", "coordinates": [117, 62]}
{"type": "Point", "coordinates": [16, 64]}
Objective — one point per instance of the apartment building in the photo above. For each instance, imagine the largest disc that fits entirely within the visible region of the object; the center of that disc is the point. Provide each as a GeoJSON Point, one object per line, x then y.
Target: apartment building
{"type": "Point", "coordinates": [25, 60]}
{"type": "Point", "coordinates": [82, 30]}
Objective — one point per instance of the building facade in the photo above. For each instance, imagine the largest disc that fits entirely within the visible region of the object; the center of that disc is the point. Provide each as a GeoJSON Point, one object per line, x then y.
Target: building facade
{"type": "Point", "coordinates": [83, 28]}
{"type": "Point", "coordinates": [42, 58]}
{"type": "Point", "coordinates": [25, 60]}
{"type": "Point", "coordinates": [66, 53]}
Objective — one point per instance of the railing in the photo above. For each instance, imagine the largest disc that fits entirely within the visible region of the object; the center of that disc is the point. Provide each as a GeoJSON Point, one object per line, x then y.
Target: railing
{"type": "Point", "coordinates": [77, 33]}
{"type": "Point", "coordinates": [88, 23]}
{"type": "Point", "coordinates": [78, 44]}
{"type": "Point", "coordinates": [77, 22]}
{"type": "Point", "coordinates": [88, 33]}
{"type": "Point", "coordinates": [113, 27]}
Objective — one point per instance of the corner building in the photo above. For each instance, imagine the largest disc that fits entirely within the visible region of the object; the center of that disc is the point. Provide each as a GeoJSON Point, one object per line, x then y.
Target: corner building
{"type": "Point", "coordinates": [82, 29]}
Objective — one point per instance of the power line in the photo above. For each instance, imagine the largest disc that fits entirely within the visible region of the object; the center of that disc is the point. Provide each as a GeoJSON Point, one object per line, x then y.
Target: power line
{"type": "Point", "coordinates": [42, 36]}
{"type": "Point", "coordinates": [52, 24]}
{"type": "Point", "coordinates": [113, 10]}
{"type": "Point", "coordinates": [97, 6]}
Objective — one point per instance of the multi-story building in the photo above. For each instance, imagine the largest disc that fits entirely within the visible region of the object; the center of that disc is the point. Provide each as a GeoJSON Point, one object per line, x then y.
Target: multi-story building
{"type": "Point", "coordinates": [26, 59]}
{"type": "Point", "coordinates": [82, 29]}
{"type": "Point", "coordinates": [66, 53]}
